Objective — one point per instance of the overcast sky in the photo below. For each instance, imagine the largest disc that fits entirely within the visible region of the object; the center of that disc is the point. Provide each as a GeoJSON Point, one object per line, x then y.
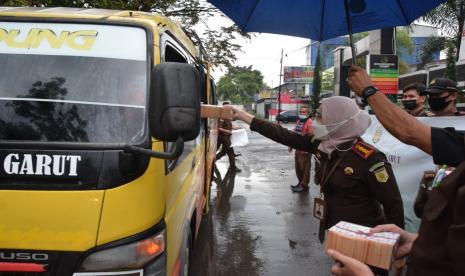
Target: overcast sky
{"type": "Point", "coordinates": [263, 52]}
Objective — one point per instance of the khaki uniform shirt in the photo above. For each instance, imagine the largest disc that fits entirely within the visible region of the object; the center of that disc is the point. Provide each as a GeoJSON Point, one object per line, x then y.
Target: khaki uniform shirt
{"type": "Point", "coordinates": [440, 246]}
{"type": "Point", "coordinates": [225, 124]}
{"type": "Point", "coordinates": [362, 188]}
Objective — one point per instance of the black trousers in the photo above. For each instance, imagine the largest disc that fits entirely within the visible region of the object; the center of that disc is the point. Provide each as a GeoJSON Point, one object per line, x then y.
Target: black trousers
{"type": "Point", "coordinates": [225, 142]}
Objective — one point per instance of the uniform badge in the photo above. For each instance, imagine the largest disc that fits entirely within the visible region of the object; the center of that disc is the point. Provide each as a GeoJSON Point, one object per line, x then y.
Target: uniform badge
{"type": "Point", "coordinates": [348, 171]}
{"type": "Point", "coordinates": [381, 175]}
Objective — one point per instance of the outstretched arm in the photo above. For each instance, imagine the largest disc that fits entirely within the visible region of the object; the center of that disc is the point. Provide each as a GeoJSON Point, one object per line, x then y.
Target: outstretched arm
{"type": "Point", "coordinates": [276, 132]}
{"type": "Point", "coordinates": [399, 123]}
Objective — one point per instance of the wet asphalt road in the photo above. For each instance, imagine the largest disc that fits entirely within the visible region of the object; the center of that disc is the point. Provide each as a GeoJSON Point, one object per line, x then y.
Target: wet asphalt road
{"type": "Point", "coordinates": [256, 225]}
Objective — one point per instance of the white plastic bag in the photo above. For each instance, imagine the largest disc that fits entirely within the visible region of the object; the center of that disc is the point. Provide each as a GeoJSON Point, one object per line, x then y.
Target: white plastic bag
{"type": "Point", "coordinates": [239, 138]}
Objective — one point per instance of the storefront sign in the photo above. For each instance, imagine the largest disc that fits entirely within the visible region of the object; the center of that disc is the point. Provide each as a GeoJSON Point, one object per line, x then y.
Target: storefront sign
{"type": "Point", "coordinates": [384, 71]}
{"type": "Point", "coordinates": [298, 74]}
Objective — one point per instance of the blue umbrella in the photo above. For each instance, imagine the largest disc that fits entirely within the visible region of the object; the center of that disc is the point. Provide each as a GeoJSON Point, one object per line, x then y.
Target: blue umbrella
{"type": "Point", "coordinates": [322, 19]}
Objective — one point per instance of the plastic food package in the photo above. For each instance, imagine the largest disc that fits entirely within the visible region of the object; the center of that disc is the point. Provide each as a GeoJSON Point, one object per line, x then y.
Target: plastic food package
{"type": "Point", "coordinates": [239, 138]}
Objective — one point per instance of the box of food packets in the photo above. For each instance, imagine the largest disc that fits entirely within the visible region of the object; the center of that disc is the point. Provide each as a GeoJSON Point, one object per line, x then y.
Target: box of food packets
{"type": "Point", "coordinates": [356, 241]}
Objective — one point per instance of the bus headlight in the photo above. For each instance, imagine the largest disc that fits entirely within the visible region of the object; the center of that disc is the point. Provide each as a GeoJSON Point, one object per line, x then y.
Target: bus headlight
{"type": "Point", "coordinates": [133, 255]}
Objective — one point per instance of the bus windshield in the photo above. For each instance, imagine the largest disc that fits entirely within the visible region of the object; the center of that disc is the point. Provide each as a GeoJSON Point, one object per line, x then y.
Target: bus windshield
{"type": "Point", "coordinates": [72, 83]}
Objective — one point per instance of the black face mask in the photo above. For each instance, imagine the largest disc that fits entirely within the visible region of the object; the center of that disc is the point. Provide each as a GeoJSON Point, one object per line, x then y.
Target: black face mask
{"type": "Point", "coordinates": [410, 104]}
{"type": "Point", "coordinates": [438, 104]}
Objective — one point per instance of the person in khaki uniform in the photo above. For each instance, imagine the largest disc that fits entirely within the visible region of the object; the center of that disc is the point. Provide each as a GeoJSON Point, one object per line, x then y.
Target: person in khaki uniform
{"type": "Point", "coordinates": [302, 160]}
{"type": "Point", "coordinates": [355, 178]}
{"type": "Point", "coordinates": [439, 246]}
{"type": "Point", "coordinates": [224, 140]}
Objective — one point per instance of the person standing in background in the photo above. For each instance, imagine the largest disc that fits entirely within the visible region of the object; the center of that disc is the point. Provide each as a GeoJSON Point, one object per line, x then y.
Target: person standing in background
{"type": "Point", "coordinates": [442, 97]}
{"type": "Point", "coordinates": [413, 100]}
{"type": "Point", "coordinates": [302, 159]}
{"type": "Point", "coordinates": [224, 140]}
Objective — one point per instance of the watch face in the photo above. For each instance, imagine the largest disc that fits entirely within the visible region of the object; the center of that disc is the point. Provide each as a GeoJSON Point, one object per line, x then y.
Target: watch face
{"type": "Point", "coordinates": [370, 90]}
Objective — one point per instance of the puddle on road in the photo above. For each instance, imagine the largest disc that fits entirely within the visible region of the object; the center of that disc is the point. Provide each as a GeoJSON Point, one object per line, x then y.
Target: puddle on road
{"type": "Point", "coordinates": [256, 227]}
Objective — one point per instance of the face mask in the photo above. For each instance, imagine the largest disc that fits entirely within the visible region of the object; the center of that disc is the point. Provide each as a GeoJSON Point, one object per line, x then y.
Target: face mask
{"type": "Point", "coordinates": [302, 117]}
{"type": "Point", "coordinates": [438, 104]}
{"type": "Point", "coordinates": [410, 104]}
{"type": "Point", "coordinates": [322, 133]}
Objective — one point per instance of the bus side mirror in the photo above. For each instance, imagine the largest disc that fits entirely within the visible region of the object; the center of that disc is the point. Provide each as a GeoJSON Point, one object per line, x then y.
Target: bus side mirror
{"type": "Point", "coordinates": [174, 102]}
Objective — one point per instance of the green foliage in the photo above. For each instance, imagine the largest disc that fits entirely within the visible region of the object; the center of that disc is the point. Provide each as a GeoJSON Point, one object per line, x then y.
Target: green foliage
{"type": "Point", "coordinates": [431, 45]}
{"type": "Point", "coordinates": [449, 17]}
{"type": "Point", "coordinates": [404, 44]}
{"type": "Point", "coordinates": [450, 72]}
{"type": "Point", "coordinates": [356, 37]}
{"type": "Point", "coordinates": [220, 44]}
{"type": "Point", "coordinates": [327, 81]}
{"type": "Point", "coordinates": [315, 99]}
{"type": "Point", "coordinates": [240, 84]}
{"type": "Point", "coordinates": [361, 61]}
{"type": "Point", "coordinates": [403, 41]}
{"type": "Point", "coordinates": [403, 67]}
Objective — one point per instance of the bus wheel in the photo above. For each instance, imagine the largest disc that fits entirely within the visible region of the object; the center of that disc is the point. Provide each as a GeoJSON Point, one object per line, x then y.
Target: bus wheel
{"type": "Point", "coordinates": [186, 253]}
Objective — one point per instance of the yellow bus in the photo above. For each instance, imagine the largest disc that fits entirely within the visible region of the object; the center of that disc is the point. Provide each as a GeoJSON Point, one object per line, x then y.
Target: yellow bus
{"type": "Point", "coordinates": [105, 161]}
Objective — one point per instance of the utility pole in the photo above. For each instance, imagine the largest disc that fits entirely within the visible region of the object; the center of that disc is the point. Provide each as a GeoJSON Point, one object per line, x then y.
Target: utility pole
{"type": "Point", "coordinates": [279, 89]}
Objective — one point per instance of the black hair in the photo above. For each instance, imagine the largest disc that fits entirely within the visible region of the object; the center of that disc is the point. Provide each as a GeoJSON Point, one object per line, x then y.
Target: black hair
{"type": "Point", "coordinates": [419, 87]}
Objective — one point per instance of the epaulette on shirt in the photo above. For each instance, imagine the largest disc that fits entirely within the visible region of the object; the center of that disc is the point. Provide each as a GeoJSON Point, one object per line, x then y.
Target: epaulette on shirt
{"type": "Point", "coordinates": [363, 149]}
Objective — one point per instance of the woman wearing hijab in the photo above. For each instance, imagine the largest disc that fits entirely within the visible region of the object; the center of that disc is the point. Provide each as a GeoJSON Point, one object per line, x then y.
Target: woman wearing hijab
{"type": "Point", "coordinates": [356, 179]}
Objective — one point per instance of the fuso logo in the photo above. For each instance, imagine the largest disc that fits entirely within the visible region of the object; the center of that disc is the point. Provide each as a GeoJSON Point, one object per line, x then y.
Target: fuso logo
{"type": "Point", "coordinates": [23, 256]}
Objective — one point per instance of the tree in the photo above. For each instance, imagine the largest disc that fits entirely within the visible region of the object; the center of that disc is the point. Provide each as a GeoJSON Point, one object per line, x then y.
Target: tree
{"type": "Point", "coordinates": [240, 84]}
{"type": "Point", "coordinates": [315, 102]}
{"type": "Point", "coordinates": [220, 46]}
{"type": "Point", "coordinates": [327, 81]}
{"type": "Point", "coordinates": [404, 41]}
{"type": "Point", "coordinates": [431, 45]}
{"type": "Point", "coordinates": [450, 17]}
{"type": "Point", "coordinates": [404, 45]}
{"type": "Point", "coordinates": [450, 72]}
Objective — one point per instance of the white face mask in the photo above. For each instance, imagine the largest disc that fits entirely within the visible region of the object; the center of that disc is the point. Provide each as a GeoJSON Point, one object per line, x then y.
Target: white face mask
{"type": "Point", "coordinates": [302, 117]}
{"type": "Point", "coordinates": [322, 133]}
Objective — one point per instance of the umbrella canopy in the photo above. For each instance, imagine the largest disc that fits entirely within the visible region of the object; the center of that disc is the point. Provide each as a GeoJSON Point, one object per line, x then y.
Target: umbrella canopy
{"type": "Point", "coordinates": [322, 19]}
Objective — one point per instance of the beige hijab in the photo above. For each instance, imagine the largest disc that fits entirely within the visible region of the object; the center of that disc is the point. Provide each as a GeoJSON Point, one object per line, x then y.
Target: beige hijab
{"type": "Point", "coordinates": [344, 120]}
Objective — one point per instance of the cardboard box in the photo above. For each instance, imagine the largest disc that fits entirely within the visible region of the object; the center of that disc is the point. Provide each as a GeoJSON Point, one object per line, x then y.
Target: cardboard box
{"type": "Point", "coordinates": [213, 111]}
{"type": "Point", "coordinates": [355, 241]}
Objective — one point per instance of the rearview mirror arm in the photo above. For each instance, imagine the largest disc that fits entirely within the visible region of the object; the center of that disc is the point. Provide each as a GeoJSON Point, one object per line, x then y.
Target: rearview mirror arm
{"type": "Point", "coordinates": [175, 153]}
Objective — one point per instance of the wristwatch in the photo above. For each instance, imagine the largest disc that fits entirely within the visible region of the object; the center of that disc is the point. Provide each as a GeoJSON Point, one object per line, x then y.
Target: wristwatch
{"type": "Point", "coordinates": [368, 92]}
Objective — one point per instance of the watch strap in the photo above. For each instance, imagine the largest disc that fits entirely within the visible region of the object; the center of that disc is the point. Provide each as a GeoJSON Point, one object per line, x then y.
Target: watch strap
{"type": "Point", "coordinates": [368, 92]}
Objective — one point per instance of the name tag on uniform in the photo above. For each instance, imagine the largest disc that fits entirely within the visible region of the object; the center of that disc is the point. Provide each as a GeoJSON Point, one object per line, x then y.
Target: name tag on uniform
{"type": "Point", "coordinates": [319, 209]}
